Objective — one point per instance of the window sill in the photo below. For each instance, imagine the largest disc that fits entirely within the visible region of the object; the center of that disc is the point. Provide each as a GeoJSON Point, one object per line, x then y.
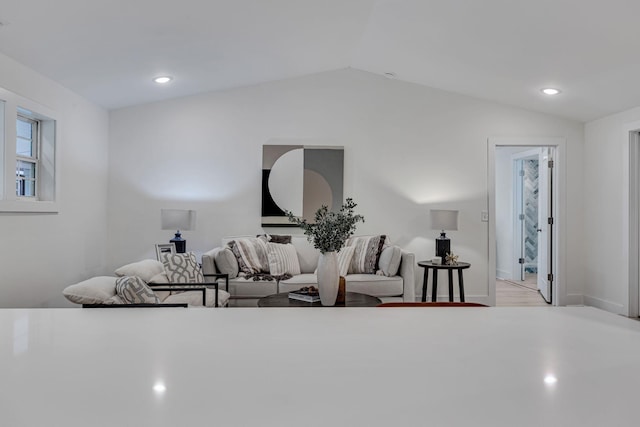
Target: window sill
{"type": "Point", "coordinates": [28, 206]}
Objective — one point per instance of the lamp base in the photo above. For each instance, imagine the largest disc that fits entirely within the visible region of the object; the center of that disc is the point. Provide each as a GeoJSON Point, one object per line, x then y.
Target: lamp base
{"type": "Point", "coordinates": [179, 242]}
{"type": "Point", "coordinates": [443, 247]}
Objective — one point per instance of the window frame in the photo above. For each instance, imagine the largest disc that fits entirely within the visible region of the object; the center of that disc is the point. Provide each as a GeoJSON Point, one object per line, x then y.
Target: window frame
{"type": "Point", "coordinates": [33, 159]}
{"type": "Point", "coordinates": [48, 167]}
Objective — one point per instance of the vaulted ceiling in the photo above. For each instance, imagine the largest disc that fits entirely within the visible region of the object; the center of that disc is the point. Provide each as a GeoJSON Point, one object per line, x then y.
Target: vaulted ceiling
{"type": "Point", "coordinates": [500, 50]}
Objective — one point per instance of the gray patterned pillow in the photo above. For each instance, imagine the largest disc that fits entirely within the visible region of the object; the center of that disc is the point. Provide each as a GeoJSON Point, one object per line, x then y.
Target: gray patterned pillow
{"type": "Point", "coordinates": [182, 268]}
{"type": "Point", "coordinates": [367, 253]}
{"type": "Point", "coordinates": [133, 290]}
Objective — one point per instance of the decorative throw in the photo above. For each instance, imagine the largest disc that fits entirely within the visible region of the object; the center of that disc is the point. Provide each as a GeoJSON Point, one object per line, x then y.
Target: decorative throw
{"type": "Point", "coordinates": [276, 238]}
{"type": "Point", "coordinates": [133, 290]}
{"type": "Point", "coordinates": [182, 268]}
{"type": "Point", "coordinates": [283, 259]}
{"type": "Point", "coordinates": [251, 254]}
{"type": "Point", "coordinates": [366, 253]}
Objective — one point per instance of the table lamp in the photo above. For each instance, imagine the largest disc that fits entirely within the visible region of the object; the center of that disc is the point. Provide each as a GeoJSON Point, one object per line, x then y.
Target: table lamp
{"type": "Point", "coordinates": [443, 220]}
{"type": "Point", "coordinates": [178, 219]}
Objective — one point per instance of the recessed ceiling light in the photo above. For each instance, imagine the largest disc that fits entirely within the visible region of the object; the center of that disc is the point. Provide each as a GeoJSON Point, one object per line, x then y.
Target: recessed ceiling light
{"type": "Point", "coordinates": [163, 79]}
{"type": "Point", "coordinates": [550, 379]}
{"type": "Point", "coordinates": [390, 75]}
{"type": "Point", "coordinates": [550, 91]}
{"type": "Point", "coordinates": [159, 388]}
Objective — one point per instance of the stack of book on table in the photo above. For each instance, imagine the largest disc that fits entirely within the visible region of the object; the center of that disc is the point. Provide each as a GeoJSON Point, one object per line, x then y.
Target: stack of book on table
{"type": "Point", "coordinates": [305, 295]}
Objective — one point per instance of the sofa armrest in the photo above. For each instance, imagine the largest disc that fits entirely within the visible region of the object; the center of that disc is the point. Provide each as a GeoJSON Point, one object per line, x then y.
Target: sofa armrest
{"type": "Point", "coordinates": [208, 262]}
{"type": "Point", "coordinates": [407, 271]}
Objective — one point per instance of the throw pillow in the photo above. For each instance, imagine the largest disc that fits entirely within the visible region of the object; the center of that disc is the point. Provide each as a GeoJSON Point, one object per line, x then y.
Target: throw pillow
{"type": "Point", "coordinates": [133, 290]}
{"type": "Point", "coordinates": [144, 269]}
{"type": "Point", "coordinates": [390, 259]}
{"type": "Point", "coordinates": [344, 260]}
{"type": "Point", "coordinates": [95, 290]}
{"type": "Point", "coordinates": [367, 253]}
{"type": "Point", "coordinates": [283, 259]}
{"type": "Point", "coordinates": [251, 254]}
{"type": "Point", "coordinates": [226, 262]}
{"type": "Point", "coordinates": [182, 268]}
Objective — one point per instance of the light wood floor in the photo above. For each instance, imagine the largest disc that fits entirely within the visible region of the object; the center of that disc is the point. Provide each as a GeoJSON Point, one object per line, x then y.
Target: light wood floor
{"type": "Point", "coordinates": [511, 295]}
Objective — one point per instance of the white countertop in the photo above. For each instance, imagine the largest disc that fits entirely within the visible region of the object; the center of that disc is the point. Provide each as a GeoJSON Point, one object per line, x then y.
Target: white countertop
{"type": "Point", "coordinates": [319, 367]}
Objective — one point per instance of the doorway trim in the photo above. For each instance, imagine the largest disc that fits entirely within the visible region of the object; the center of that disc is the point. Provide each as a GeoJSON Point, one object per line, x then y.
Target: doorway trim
{"type": "Point", "coordinates": [559, 201]}
{"type": "Point", "coordinates": [631, 214]}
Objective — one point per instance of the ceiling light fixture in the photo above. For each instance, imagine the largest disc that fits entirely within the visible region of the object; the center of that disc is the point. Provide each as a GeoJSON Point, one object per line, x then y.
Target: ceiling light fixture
{"type": "Point", "coordinates": [163, 79]}
{"type": "Point", "coordinates": [390, 75]}
{"type": "Point", "coordinates": [550, 91]}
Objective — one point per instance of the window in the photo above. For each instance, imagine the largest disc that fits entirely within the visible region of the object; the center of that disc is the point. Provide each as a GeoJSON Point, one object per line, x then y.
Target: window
{"type": "Point", "coordinates": [27, 154]}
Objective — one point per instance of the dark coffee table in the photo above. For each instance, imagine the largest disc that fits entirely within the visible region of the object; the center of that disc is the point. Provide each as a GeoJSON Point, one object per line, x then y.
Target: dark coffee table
{"type": "Point", "coordinates": [353, 299]}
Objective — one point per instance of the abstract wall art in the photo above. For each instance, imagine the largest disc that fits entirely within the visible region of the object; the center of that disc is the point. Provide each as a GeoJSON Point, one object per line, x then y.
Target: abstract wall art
{"type": "Point", "coordinates": [300, 179]}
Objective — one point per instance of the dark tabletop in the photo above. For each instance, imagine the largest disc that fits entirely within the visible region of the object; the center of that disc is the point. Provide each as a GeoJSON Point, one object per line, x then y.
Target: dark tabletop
{"type": "Point", "coordinates": [444, 266]}
{"type": "Point", "coordinates": [353, 299]}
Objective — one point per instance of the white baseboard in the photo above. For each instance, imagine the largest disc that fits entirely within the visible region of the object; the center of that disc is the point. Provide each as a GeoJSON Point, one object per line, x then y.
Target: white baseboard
{"type": "Point", "coordinates": [503, 275]}
{"type": "Point", "coordinates": [574, 299]}
{"type": "Point", "coordinates": [604, 304]}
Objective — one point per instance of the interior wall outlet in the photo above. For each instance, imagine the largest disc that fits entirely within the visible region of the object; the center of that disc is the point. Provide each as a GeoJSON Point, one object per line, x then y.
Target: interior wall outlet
{"type": "Point", "coordinates": [484, 216]}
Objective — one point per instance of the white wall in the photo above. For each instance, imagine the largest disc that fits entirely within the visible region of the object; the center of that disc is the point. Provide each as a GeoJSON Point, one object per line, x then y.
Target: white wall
{"type": "Point", "coordinates": [43, 253]}
{"type": "Point", "coordinates": [408, 148]}
{"type": "Point", "coordinates": [605, 207]}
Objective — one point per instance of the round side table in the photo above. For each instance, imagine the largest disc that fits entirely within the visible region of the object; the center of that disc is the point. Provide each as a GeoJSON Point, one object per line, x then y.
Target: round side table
{"type": "Point", "coordinates": [434, 292]}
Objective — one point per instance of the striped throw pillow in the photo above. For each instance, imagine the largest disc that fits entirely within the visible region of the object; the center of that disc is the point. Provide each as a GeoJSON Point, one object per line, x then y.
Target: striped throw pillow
{"type": "Point", "coordinates": [344, 260]}
{"type": "Point", "coordinates": [251, 254]}
{"type": "Point", "coordinates": [283, 259]}
{"type": "Point", "coordinates": [367, 253]}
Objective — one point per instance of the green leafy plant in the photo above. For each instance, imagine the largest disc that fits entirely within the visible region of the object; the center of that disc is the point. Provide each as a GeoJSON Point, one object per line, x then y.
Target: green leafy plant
{"type": "Point", "coordinates": [330, 230]}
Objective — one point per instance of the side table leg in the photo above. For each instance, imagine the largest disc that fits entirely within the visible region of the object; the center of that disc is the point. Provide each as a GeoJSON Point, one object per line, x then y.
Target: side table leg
{"type": "Point", "coordinates": [424, 284]}
{"type": "Point", "coordinates": [434, 291]}
{"type": "Point", "coordinates": [461, 285]}
{"type": "Point", "coordinates": [450, 285]}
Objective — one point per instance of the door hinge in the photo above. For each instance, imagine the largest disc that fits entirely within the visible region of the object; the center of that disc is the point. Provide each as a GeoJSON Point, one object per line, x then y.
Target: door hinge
{"type": "Point", "coordinates": [550, 277]}
{"type": "Point", "coordinates": [520, 260]}
{"type": "Point", "coordinates": [521, 216]}
{"type": "Point", "coordinates": [521, 172]}
{"type": "Point", "coordinates": [550, 220]}
{"type": "Point", "coordinates": [550, 164]}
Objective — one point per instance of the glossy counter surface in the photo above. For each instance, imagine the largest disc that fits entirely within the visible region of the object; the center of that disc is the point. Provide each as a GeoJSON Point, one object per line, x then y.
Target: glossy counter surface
{"type": "Point", "coordinates": [535, 366]}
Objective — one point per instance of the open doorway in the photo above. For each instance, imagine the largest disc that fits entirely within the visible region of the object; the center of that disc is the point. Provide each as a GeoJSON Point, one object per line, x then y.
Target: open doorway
{"type": "Point", "coordinates": [524, 225]}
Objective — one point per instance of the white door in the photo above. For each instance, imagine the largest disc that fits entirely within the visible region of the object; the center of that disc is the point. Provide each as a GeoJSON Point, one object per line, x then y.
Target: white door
{"type": "Point", "coordinates": [545, 224]}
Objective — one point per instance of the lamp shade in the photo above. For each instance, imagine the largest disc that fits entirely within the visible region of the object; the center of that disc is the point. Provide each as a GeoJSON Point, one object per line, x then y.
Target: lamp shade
{"type": "Point", "coordinates": [444, 219]}
{"type": "Point", "coordinates": [177, 219]}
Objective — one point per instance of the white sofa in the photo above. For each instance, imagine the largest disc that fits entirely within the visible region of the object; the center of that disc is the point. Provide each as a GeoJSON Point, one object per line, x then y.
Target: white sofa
{"type": "Point", "coordinates": [400, 287]}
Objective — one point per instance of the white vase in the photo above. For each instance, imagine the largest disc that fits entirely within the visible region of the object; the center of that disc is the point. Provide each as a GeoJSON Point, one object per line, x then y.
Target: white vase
{"type": "Point", "coordinates": [328, 278]}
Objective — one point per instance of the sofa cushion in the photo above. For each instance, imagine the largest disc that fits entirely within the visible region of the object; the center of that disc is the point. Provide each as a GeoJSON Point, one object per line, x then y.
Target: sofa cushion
{"type": "Point", "coordinates": [144, 269]}
{"type": "Point", "coordinates": [367, 253]}
{"type": "Point", "coordinates": [226, 262]}
{"type": "Point", "coordinates": [390, 259]}
{"type": "Point", "coordinates": [182, 268]}
{"type": "Point", "coordinates": [372, 284]}
{"type": "Point", "coordinates": [307, 254]}
{"type": "Point", "coordinates": [194, 298]}
{"type": "Point", "coordinates": [249, 288]}
{"type": "Point", "coordinates": [283, 259]}
{"type": "Point", "coordinates": [297, 282]}
{"type": "Point", "coordinates": [133, 290]}
{"type": "Point", "coordinates": [251, 254]}
{"type": "Point", "coordinates": [95, 290]}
